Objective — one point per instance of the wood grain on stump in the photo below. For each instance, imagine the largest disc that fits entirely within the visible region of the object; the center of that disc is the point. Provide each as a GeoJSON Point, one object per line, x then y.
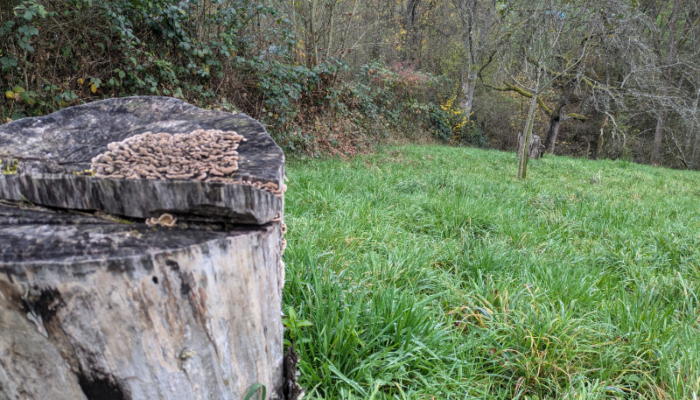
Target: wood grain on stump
{"type": "Point", "coordinates": [97, 306]}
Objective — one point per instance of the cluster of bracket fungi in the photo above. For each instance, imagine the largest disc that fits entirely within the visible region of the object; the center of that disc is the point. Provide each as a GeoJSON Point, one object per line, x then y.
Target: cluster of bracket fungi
{"type": "Point", "coordinates": [202, 155]}
{"type": "Point", "coordinates": [269, 186]}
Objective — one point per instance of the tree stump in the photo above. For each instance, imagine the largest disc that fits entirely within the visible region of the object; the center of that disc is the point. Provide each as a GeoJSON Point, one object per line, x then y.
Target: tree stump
{"type": "Point", "coordinates": [97, 304]}
{"type": "Point", "coordinates": [536, 147]}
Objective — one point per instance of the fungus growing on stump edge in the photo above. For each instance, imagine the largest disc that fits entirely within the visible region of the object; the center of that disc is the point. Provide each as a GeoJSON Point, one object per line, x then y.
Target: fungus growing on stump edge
{"type": "Point", "coordinates": [202, 155]}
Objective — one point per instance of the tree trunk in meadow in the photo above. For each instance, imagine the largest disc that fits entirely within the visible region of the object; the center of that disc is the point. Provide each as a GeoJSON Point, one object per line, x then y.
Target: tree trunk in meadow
{"type": "Point", "coordinates": [599, 144]}
{"type": "Point", "coordinates": [658, 139]}
{"type": "Point", "coordinates": [552, 133]}
{"type": "Point", "coordinates": [525, 143]}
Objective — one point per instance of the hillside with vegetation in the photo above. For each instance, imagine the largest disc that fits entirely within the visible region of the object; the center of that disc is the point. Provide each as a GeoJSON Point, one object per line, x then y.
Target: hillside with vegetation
{"type": "Point", "coordinates": [596, 79]}
{"type": "Point", "coordinates": [430, 271]}
{"type": "Point", "coordinates": [427, 272]}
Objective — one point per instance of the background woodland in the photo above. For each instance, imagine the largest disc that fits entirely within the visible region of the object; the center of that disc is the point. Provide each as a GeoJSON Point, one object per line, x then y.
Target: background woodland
{"type": "Point", "coordinates": [597, 79]}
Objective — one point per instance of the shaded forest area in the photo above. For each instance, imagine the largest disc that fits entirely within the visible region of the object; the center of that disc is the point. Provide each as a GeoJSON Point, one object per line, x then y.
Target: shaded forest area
{"type": "Point", "coordinates": [596, 79]}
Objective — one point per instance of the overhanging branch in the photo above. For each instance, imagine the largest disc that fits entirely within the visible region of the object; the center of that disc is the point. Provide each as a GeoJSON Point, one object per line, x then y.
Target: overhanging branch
{"type": "Point", "coordinates": [507, 87]}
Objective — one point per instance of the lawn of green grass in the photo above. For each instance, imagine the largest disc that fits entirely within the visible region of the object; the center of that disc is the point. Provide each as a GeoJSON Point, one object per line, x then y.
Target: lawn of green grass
{"type": "Point", "coordinates": [428, 272]}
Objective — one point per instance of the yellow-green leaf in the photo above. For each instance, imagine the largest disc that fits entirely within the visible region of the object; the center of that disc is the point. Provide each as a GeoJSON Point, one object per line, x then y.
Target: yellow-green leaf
{"type": "Point", "coordinates": [27, 98]}
{"type": "Point", "coordinates": [10, 94]}
{"type": "Point", "coordinates": [93, 88]}
{"type": "Point", "coordinates": [80, 81]}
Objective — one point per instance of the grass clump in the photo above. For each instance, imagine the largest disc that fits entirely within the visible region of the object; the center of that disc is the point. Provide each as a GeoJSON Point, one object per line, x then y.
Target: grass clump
{"type": "Point", "coordinates": [423, 272]}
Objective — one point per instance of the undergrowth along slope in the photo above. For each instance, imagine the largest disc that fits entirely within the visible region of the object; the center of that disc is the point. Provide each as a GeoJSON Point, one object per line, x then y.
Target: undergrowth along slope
{"type": "Point", "coordinates": [218, 55]}
{"type": "Point", "coordinates": [430, 271]}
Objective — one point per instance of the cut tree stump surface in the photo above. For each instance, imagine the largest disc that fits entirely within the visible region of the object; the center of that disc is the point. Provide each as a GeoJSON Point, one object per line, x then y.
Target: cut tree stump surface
{"type": "Point", "coordinates": [95, 309]}
{"type": "Point", "coordinates": [54, 151]}
{"type": "Point", "coordinates": [30, 237]}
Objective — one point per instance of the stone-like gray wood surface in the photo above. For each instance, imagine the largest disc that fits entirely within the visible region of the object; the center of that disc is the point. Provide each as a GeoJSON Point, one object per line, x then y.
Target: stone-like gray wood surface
{"type": "Point", "coordinates": [96, 309]}
{"type": "Point", "coordinates": [53, 152]}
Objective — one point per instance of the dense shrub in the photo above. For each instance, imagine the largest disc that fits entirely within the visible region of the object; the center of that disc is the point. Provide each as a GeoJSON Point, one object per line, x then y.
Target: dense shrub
{"type": "Point", "coordinates": [233, 55]}
{"type": "Point", "coordinates": [451, 123]}
{"type": "Point", "coordinates": [59, 53]}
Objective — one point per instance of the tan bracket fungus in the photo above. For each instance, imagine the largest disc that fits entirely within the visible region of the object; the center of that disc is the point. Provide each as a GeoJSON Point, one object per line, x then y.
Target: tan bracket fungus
{"type": "Point", "coordinates": [202, 155]}
{"type": "Point", "coordinates": [166, 220]}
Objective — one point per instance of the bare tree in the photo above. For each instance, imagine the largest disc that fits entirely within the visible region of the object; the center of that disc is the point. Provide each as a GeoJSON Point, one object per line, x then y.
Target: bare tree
{"type": "Point", "coordinates": [477, 18]}
{"type": "Point", "coordinates": [409, 47]}
{"type": "Point", "coordinates": [660, 77]}
{"type": "Point", "coordinates": [541, 41]}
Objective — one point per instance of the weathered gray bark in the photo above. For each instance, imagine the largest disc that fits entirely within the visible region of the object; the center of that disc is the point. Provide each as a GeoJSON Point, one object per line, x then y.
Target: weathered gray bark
{"type": "Point", "coordinates": [536, 147]}
{"type": "Point", "coordinates": [96, 307]}
{"type": "Point", "coordinates": [54, 151]}
{"type": "Point", "coordinates": [93, 309]}
{"type": "Point", "coordinates": [658, 139]}
{"type": "Point", "coordinates": [524, 144]}
{"type": "Point", "coordinates": [599, 143]}
{"type": "Point", "coordinates": [468, 87]}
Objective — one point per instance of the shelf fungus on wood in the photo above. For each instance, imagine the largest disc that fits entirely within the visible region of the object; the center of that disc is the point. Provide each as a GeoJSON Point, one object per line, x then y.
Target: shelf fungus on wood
{"type": "Point", "coordinates": [166, 220]}
{"type": "Point", "coordinates": [201, 155]}
{"type": "Point", "coordinates": [199, 165]}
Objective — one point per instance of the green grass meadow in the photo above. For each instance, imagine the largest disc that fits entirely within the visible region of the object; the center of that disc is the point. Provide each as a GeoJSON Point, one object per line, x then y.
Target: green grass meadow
{"type": "Point", "coordinates": [429, 272]}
